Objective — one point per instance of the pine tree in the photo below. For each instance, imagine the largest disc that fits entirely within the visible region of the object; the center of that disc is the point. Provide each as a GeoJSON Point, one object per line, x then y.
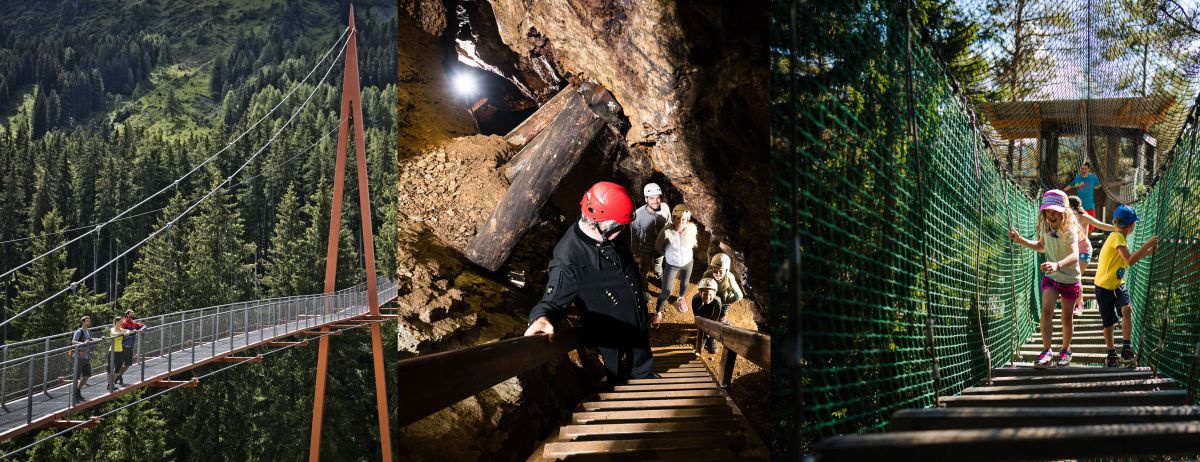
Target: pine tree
{"type": "Point", "coordinates": [42, 279]}
{"type": "Point", "coordinates": [217, 271]}
{"type": "Point", "coordinates": [160, 275]}
{"type": "Point", "coordinates": [291, 268]}
{"type": "Point", "coordinates": [317, 237]}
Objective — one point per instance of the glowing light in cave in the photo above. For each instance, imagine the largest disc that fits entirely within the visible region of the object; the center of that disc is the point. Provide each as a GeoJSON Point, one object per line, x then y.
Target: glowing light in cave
{"type": "Point", "coordinates": [465, 84]}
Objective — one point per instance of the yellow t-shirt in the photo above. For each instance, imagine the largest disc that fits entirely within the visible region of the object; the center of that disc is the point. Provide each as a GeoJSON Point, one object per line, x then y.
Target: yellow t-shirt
{"type": "Point", "coordinates": [1111, 261]}
{"type": "Point", "coordinates": [117, 339]}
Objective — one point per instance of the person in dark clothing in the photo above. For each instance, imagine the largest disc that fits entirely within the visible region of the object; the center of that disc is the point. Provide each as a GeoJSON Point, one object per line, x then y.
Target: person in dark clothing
{"type": "Point", "coordinates": [706, 304]}
{"type": "Point", "coordinates": [597, 272]}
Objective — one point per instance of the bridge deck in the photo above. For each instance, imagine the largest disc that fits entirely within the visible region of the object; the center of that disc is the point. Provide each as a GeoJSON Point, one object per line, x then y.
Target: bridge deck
{"type": "Point", "coordinates": [174, 348]}
{"type": "Point", "coordinates": [684, 415]}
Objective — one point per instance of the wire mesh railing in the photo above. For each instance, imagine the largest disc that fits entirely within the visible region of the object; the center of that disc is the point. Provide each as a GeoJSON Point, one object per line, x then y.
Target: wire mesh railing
{"type": "Point", "coordinates": [37, 370]}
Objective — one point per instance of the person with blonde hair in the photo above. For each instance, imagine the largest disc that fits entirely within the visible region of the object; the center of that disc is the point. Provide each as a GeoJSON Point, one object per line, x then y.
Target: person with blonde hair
{"type": "Point", "coordinates": [1058, 237]}
{"type": "Point", "coordinates": [720, 269]}
{"type": "Point", "coordinates": [675, 243]}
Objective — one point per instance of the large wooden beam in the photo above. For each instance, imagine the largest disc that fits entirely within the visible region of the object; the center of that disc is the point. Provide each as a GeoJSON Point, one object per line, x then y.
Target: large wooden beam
{"type": "Point", "coordinates": [549, 158]}
{"type": "Point", "coordinates": [754, 346]}
{"type": "Point", "coordinates": [533, 126]}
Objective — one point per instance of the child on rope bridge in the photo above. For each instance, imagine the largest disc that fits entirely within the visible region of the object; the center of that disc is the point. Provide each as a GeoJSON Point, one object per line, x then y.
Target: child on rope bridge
{"type": "Point", "coordinates": [1085, 244]}
{"type": "Point", "coordinates": [1111, 293]}
{"type": "Point", "coordinates": [1058, 236]}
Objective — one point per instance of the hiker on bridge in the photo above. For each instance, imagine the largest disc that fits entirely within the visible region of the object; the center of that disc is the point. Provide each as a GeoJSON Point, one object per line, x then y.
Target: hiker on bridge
{"type": "Point", "coordinates": [1058, 236]}
{"type": "Point", "coordinates": [648, 221]}
{"type": "Point", "coordinates": [130, 343]}
{"type": "Point", "coordinates": [676, 242]}
{"type": "Point", "coordinates": [1111, 293]}
{"type": "Point", "coordinates": [590, 267]}
{"type": "Point", "coordinates": [82, 361]}
{"type": "Point", "coordinates": [118, 359]}
{"type": "Point", "coordinates": [1085, 185]}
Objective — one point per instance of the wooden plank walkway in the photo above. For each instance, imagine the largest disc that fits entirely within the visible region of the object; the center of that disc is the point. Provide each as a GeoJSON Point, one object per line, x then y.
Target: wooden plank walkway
{"type": "Point", "coordinates": [1082, 411]}
{"type": "Point", "coordinates": [684, 415]}
{"type": "Point", "coordinates": [44, 408]}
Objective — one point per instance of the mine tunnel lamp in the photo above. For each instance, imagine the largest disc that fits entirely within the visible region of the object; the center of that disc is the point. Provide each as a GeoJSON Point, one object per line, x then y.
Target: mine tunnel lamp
{"type": "Point", "coordinates": [465, 84]}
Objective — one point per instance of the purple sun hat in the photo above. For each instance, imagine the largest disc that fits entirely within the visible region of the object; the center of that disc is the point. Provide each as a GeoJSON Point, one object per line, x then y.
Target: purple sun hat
{"type": "Point", "coordinates": [1055, 200]}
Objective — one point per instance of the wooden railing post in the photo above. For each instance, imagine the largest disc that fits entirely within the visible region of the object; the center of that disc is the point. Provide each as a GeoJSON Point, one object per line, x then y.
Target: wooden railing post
{"type": "Point", "coordinates": [728, 360]}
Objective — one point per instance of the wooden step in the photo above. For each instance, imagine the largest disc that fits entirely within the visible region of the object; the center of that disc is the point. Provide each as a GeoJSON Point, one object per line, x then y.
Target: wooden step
{"type": "Point", "coordinates": [618, 395]}
{"type": "Point", "coordinates": [1112, 385]}
{"type": "Point", "coordinates": [579, 431]}
{"type": "Point", "coordinates": [1076, 358]}
{"type": "Point", "coordinates": [677, 375]}
{"type": "Point", "coordinates": [1077, 442]}
{"type": "Point", "coordinates": [650, 415]}
{"type": "Point", "coordinates": [561, 449]}
{"type": "Point", "coordinates": [1112, 398]}
{"type": "Point", "coordinates": [974, 417]}
{"type": "Point", "coordinates": [651, 404]}
{"type": "Point", "coordinates": [668, 386]}
{"type": "Point", "coordinates": [676, 455]}
{"type": "Point", "coordinates": [707, 379]}
{"type": "Point", "coordinates": [1026, 369]}
{"type": "Point", "coordinates": [1116, 374]}
{"type": "Point", "coordinates": [1077, 347]}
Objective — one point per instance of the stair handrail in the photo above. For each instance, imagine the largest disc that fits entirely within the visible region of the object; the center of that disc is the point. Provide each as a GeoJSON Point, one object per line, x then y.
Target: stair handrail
{"type": "Point", "coordinates": [436, 381]}
{"type": "Point", "coordinates": [754, 346]}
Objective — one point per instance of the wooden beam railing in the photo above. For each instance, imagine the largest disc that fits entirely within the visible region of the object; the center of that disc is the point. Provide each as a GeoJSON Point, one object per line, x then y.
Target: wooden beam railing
{"type": "Point", "coordinates": [754, 346]}
{"type": "Point", "coordinates": [460, 374]}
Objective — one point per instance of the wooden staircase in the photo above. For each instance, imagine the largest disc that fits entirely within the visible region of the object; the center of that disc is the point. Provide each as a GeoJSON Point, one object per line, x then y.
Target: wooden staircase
{"type": "Point", "coordinates": [684, 415]}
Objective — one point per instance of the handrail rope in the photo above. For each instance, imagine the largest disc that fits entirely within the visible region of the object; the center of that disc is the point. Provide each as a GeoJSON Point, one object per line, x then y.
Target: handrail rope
{"type": "Point", "coordinates": [915, 152]}
{"type": "Point", "coordinates": [1174, 262]}
{"type": "Point", "coordinates": [987, 353]}
{"type": "Point", "coordinates": [194, 169]}
{"type": "Point", "coordinates": [167, 390]}
{"type": "Point", "coordinates": [191, 207]}
{"type": "Point", "coordinates": [266, 169]}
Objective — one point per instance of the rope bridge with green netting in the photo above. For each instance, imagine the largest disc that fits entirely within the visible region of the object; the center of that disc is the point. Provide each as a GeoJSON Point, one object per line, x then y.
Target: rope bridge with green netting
{"type": "Point", "coordinates": [892, 214]}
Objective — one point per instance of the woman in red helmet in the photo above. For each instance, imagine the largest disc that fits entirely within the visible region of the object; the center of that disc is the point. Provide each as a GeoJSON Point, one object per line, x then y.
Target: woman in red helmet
{"type": "Point", "coordinates": [596, 271]}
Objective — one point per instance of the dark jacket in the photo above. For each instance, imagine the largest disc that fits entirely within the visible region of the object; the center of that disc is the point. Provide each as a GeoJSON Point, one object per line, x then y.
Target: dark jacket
{"type": "Point", "coordinates": [602, 279]}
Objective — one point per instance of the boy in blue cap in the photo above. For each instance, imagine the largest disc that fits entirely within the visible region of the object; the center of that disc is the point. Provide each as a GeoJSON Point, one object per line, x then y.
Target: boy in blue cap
{"type": "Point", "coordinates": [1111, 293]}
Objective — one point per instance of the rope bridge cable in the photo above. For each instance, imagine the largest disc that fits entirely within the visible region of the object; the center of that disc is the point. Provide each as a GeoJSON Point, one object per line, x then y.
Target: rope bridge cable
{"type": "Point", "coordinates": [223, 184]}
{"type": "Point", "coordinates": [903, 227]}
{"type": "Point", "coordinates": [194, 169]}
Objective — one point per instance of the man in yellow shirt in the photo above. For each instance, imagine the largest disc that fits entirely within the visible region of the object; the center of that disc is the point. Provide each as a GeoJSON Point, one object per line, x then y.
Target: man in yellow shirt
{"type": "Point", "coordinates": [1111, 294]}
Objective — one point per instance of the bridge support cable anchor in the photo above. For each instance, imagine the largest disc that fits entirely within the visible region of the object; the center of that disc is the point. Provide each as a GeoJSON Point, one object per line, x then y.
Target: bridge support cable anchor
{"type": "Point", "coordinates": [241, 359]}
{"type": "Point", "coordinates": [351, 112]}
{"type": "Point", "coordinates": [91, 422]}
{"type": "Point", "coordinates": [166, 383]}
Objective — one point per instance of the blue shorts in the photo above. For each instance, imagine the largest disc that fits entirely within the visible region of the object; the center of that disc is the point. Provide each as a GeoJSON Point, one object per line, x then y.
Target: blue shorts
{"type": "Point", "coordinates": [1110, 302]}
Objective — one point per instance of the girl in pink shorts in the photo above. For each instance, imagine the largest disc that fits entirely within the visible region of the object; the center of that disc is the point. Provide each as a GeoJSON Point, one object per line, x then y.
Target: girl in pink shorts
{"type": "Point", "coordinates": [1085, 244]}
{"type": "Point", "coordinates": [1058, 237]}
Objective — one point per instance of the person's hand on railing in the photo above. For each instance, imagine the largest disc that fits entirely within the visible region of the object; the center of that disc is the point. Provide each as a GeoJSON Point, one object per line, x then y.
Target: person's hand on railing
{"type": "Point", "coordinates": [540, 326]}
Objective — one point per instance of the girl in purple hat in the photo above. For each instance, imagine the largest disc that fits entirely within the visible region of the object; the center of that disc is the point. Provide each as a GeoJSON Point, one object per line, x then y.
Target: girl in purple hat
{"type": "Point", "coordinates": [1058, 237]}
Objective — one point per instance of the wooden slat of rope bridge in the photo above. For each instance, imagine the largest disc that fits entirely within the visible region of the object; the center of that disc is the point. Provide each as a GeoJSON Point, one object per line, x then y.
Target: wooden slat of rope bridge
{"type": "Point", "coordinates": [172, 348]}
{"type": "Point", "coordinates": [1075, 412]}
{"type": "Point", "coordinates": [684, 415]}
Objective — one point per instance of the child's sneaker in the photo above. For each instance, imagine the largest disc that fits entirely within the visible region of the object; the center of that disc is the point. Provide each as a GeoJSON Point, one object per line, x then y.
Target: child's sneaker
{"type": "Point", "coordinates": [1112, 360]}
{"type": "Point", "coordinates": [1043, 360]}
{"type": "Point", "coordinates": [1127, 356]}
{"type": "Point", "coordinates": [1064, 358]}
{"type": "Point", "coordinates": [1078, 309]}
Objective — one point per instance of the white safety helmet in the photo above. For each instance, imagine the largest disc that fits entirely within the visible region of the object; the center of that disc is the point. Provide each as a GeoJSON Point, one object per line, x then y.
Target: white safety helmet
{"type": "Point", "coordinates": [708, 283]}
{"type": "Point", "coordinates": [719, 261]}
{"type": "Point", "coordinates": [651, 189]}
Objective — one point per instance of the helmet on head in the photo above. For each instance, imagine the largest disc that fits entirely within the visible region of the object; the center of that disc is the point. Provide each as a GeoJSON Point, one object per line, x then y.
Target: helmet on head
{"type": "Point", "coordinates": [707, 283]}
{"type": "Point", "coordinates": [719, 261]}
{"type": "Point", "coordinates": [651, 189]}
{"type": "Point", "coordinates": [607, 201]}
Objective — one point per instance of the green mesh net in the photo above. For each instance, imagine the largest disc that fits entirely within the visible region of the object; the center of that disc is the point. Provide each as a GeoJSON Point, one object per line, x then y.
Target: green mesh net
{"type": "Point", "coordinates": [898, 283]}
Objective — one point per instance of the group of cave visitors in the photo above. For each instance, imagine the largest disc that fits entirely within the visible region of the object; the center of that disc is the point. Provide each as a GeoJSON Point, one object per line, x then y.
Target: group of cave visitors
{"type": "Point", "coordinates": [121, 340]}
{"type": "Point", "coordinates": [607, 276]}
{"type": "Point", "coordinates": [1063, 228]}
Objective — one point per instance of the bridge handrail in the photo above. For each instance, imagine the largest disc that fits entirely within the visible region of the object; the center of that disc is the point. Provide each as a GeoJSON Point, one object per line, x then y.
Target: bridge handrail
{"type": "Point", "coordinates": [465, 372]}
{"type": "Point", "coordinates": [754, 346]}
{"type": "Point", "coordinates": [237, 313]}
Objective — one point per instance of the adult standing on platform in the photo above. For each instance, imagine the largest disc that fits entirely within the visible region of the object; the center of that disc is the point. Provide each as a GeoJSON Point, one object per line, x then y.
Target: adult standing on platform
{"type": "Point", "coordinates": [1085, 185]}
{"type": "Point", "coordinates": [648, 221]}
{"type": "Point", "coordinates": [596, 271]}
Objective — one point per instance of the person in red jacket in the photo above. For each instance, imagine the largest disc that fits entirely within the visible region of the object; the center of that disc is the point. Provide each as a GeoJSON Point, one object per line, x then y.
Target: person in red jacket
{"type": "Point", "coordinates": [133, 327]}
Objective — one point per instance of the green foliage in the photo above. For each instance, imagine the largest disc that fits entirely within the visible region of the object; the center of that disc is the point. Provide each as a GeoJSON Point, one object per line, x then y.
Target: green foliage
{"type": "Point", "coordinates": [42, 279]}
{"type": "Point", "coordinates": [217, 257]}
